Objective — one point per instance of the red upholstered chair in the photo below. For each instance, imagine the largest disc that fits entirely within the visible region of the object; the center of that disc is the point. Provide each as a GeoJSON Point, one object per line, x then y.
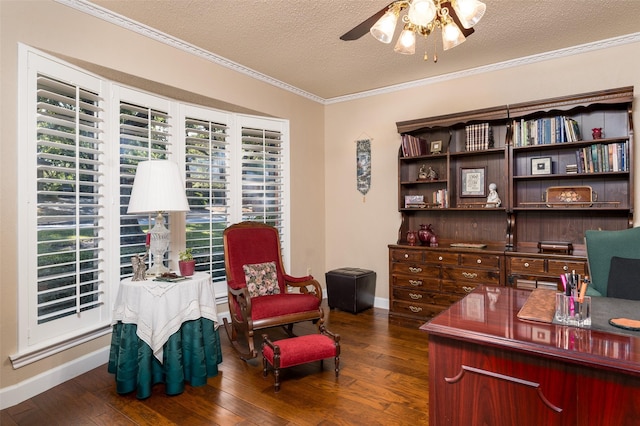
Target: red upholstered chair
{"type": "Point", "coordinates": [261, 294]}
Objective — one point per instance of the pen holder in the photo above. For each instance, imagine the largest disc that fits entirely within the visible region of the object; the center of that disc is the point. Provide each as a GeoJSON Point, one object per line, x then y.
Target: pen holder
{"type": "Point", "coordinates": [570, 311]}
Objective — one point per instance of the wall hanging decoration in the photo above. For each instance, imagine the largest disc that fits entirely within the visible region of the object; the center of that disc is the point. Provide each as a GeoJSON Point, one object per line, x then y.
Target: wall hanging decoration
{"type": "Point", "coordinates": [363, 160]}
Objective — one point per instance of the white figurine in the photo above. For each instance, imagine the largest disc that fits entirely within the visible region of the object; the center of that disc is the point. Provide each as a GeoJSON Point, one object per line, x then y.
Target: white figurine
{"type": "Point", "coordinates": [493, 200]}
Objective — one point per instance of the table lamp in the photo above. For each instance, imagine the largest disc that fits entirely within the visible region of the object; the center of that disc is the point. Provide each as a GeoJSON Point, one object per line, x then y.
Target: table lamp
{"type": "Point", "coordinates": [158, 188]}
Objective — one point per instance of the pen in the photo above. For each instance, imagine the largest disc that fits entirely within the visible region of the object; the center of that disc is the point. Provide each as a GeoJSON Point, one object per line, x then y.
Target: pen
{"type": "Point", "coordinates": [583, 288]}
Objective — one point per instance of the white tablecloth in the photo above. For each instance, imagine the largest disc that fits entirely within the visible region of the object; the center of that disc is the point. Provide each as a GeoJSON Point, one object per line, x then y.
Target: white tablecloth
{"type": "Point", "coordinates": [159, 308]}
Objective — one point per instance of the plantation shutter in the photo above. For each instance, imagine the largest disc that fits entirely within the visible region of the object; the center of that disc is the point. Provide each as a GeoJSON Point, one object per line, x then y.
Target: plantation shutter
{"type": "Point", "coordinates": [69, 179]}
{"type": "Point", "coordinates": [263, 175]}
{"type": "Point", "coordinates": [208, 186]}
{"type": "Point", "coordinates": [145, 134]}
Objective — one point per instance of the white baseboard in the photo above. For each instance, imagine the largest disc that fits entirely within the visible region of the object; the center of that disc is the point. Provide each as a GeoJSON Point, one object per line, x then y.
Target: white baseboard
{"type": "Point", "coordinates": [13, 395]}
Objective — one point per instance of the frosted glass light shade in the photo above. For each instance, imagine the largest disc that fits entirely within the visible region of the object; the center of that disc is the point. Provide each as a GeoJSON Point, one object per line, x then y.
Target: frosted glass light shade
{"type": "Point", "coordinates": [469, 11]}
{"type": "Point", "coordinates": [406, 43]}
{"type": "Point", "coordinates": [384, 29]}
{"type": "Point", "coordinates": [451, 36]}
{"type": "Point", "coordinates": [158, 187]}
{"type": "Point", "coordinates": [421, 12]}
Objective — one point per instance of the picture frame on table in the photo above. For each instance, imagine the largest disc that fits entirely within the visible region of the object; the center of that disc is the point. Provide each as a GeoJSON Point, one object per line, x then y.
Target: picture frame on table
{"type": "Point", "coordinates": [473, 182]}
{"type": "Point", "coordinates": [436, 147]}
{"type": "Point", "coordinates": [541, 166]}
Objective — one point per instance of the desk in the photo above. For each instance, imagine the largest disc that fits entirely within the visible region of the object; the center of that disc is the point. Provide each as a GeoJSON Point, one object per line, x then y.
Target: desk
{"type": "Point", "coordinates": [164, 332]}
{"type": "Point", "coordinates": [486, 366]}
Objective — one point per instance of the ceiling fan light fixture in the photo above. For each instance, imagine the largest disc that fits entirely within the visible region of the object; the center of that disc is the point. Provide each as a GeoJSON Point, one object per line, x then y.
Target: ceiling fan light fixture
{"type": "Point", "coordinates": [469, 11]}
{"type": "Point", "coordinates": [421, 12]}
{"type": "Point", "coordinates": [422, 17]}
{"type": "Point", "coordinates": [384, 29]}
{"type": "Point", "coordinates": [406, 43]}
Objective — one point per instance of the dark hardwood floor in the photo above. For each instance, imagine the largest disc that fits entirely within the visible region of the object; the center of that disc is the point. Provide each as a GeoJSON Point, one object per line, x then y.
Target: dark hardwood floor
{"type": "Point", "coordinates": [383, 381]}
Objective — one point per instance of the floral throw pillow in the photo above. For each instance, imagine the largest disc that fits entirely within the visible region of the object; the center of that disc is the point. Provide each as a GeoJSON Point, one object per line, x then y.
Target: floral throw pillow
{"type": "Point", "coordinates": [261, 279]}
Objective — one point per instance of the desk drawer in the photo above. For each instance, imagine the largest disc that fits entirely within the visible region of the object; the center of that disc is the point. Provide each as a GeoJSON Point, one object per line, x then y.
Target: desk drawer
{"type": "Point", "coordinates": [399, 255]}
{"type": "Point", "coordinates": [441, 257]}
{"type": "Point", "coordinates": [417, 283]}
{"type": "Point", "coordinates": [480, 261]}
{"type": "Point", "coordinates": [421, 310]}
{"type": "Point", "coordinates": [526, 265]}
{"type": "Point", "coordinates": [460, 289]}
{"type": "Point", "coordinates": [558, 267]}
{"type": "Point", "coordinates": [476, 276]}
{"type": "Point", "coordinates": [421, 297]}
{"type": "Point", "coordinates": [414, 269]}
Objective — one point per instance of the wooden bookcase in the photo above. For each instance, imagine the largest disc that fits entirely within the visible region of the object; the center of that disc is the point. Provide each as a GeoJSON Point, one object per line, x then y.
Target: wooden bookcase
{"type": "Point", "coordinates": [535, 187]}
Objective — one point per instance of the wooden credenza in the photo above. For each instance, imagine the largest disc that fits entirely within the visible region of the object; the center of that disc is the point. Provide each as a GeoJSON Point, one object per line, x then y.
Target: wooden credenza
{"type": "Point", "coordinates": [488, 367]}
{"type": "Point", "coordinates": [424, 281]}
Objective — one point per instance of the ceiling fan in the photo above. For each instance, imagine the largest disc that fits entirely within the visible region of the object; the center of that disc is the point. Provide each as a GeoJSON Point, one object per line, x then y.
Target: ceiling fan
{"type": "Point", "coordinates": [455, 18]}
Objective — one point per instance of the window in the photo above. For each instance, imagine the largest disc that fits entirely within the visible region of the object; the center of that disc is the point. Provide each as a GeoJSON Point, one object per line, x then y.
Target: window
{"type": "Point", "coordinates": [209, 188]}
{"type": "Point", "coordinates": [145, 134]}
{"type": "Point", "coordinates": [62, 261]}
{"type": "Point", "coordinates": [82, 138]}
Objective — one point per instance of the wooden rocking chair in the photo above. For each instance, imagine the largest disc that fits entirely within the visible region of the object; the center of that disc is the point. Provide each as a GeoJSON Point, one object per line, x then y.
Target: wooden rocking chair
{"type": "Point", "coordinates": [261, 294]}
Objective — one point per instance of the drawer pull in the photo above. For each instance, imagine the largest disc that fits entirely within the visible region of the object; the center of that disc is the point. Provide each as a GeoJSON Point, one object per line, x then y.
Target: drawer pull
{"type": "Point", "coordinates": [467, 289]}
{"type": "Point", "coordinates": [470, 275]}
{"type": "Point", "coordinates": [406, 255]}
{"type": "Point", "coordinates": [440, 258]}
{"type": "Point", "coordinates": [415, 296]}
{"type": "Point", "coordinates": [565, 268]}
{"type": "Point", "coordinates": [415, 309]}
{"type": "Point", "coordinates": [526, 264]}
{"type": "Point", "coordinates": [414, 269]}
{"type": "Point", "coordinates": [415, 283]}
{"type": "Point", "coordinates": [479, 261]}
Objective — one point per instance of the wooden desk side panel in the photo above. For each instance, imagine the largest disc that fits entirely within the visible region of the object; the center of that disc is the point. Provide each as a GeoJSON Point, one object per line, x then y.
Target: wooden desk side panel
{"type": "Point", "coordinates": [471, 384]}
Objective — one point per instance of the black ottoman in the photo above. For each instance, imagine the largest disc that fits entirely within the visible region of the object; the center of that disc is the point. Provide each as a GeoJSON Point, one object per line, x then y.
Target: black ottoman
{"type": "Point", "coordinates": [351, 289]}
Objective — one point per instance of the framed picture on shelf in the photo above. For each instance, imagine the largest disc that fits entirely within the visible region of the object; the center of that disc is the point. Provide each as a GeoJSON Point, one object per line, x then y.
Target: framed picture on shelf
{"type": "Point", "coordinates": [436, 147]}
{"type": "Point", "coordinates": [473, 182]}
{"type": "Point", "coordinates": [413, 201]}
{"type": "Point", "coordinates": [541, 166]}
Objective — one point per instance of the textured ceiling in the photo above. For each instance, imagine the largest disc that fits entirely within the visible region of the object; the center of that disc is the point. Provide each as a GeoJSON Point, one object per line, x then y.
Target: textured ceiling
{"type": "Point", "coordinates": [297, 41]}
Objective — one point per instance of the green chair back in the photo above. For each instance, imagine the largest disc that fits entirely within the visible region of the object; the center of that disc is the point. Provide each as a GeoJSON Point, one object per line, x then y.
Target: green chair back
{"type": "Point", "coordinates": [601, 247]}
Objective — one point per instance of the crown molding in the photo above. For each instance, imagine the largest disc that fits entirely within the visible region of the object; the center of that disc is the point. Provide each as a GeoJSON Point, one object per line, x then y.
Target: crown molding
{"type": "Point", "coordinates": [526, 60]}
{"type": "Point", "coordinates": [121, 21]}
{"type": "Point", "coordinates": [126, 23]}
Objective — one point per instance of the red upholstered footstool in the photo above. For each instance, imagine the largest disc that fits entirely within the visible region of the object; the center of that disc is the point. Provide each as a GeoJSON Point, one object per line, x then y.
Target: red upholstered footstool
{"type": "Point", "coordinates": [299, 350]}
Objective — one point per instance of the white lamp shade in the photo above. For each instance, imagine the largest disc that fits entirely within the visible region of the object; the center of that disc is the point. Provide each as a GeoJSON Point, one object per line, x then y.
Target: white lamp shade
{"type": "Point", "coordinates": [384, 29]}
{"type": "Point", "coordinates": [469, 11]}
{"type": "Point", "coordinates": [421, 12]}
{"type": "Point", "coordinates": [158, 187]}
{"type": "Point", "coordinates": [406, 42]}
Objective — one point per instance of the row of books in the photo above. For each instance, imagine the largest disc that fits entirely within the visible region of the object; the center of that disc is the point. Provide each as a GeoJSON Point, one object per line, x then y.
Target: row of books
{"type": "Point", "coordinates": [599, 157]}
{"type": "Point", "coordinates": [413, 146]}
{"type": "Point", "coordinates": [545, 131]}
{"type": "Point", "coordinates": [441, 199]}
{"type": "Point", "coordinates": [478, 137]}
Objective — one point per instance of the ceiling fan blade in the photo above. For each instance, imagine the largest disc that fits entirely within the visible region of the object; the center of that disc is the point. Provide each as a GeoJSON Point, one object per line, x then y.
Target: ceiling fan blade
{"type": "Point", "coordinates": [465, 31]}
{"type": "Point", "coordinates": [363, 28]}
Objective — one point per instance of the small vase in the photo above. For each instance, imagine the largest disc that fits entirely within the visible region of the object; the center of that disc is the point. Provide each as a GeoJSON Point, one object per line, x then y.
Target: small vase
{"type": "Point", "coordinates": [433, 242]}
{"type": "Point", "coordinates": [424, 234]}
{"type": "Point", "coordinates": [412, 237]}
{"type": "Point", "coordinates": [596, 133]}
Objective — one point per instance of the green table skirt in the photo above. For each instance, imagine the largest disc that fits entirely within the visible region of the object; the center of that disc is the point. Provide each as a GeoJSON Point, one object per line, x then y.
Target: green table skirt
{"type": "Point", "coordinates": [191, 354]}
